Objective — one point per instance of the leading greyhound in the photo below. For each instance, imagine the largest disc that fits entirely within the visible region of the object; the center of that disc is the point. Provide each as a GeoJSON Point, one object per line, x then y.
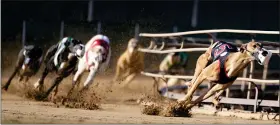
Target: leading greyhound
{"type": "Point", "coordinates": [222, 63]}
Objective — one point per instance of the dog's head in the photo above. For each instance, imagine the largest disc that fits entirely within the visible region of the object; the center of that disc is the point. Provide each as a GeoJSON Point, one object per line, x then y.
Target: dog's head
{"type": "Point", "coordinates": [256, 50]}
{"type": "Point", "coordinates": [31, 55]}
{"type": "Point", "coordinates": [79, 50]}
{"type": "Point", "coordinates": [132, 45]}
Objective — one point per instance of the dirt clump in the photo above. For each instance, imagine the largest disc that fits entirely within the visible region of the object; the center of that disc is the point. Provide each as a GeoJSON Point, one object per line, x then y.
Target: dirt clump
{"type": "Point", "coordinates": [177, 110]}
{"type": "Point", "coordinates": [152, 109]}
{"type": "Point", "coordinates": [83, 100]}
{"type": "Point", "coordinates": [31, 93]}
{"type": "Point", "coordinates": [170, 110]}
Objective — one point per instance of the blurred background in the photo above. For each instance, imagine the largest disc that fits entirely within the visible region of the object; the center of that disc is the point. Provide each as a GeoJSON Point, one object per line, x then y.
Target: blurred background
{"type": "Point", "coordinates": [79, 19]}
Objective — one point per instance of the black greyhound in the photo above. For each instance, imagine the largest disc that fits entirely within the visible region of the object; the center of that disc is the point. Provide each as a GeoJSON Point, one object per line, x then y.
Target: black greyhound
{"type": "Point", "coordinates": [28, 63]}
{"type": "Point", "coordinates": [61, 59]}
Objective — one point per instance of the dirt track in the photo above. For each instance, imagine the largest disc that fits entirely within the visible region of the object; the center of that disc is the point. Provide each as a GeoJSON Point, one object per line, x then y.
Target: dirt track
{"type": "Point", "coordinates": [116, 108]}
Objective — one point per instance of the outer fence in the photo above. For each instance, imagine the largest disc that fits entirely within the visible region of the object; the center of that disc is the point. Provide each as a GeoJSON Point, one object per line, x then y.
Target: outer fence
{"type": "Point", "coordinates": [226, 100]}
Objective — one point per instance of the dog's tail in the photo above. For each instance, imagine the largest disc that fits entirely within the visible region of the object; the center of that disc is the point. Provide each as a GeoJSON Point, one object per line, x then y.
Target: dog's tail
{"type": "Point", "coordinates": [214, 39]}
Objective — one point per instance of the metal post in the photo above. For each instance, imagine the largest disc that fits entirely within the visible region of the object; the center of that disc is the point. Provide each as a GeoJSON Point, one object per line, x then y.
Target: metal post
{"type": "Point", "coordinates": [250, 76]}
{"type": "Point", "coordinates": [227, 92]}
{"type": "Point", "coordinates": [175, 29]}
{"type": "Point", "coordinates": [23, 33]}
{"type": "Point", "coordinates": [245, 72]}
{"type": "Point", "coordinates": [279, 96]}
{"type": "Point", "coordinates": [61, 29]}
{"type": "Point", "coordinates": [99, 27]}
{"type": "Point", "coordinates": [136, 31]}
{"type": "Point", "coordinates": [265, 68]}
{"type": "Point", "coordinates": [256, 98]}
{"type": "Point", "coordinates": [90, 10]}
{"type": "Point", "coordinates": [194, 14]}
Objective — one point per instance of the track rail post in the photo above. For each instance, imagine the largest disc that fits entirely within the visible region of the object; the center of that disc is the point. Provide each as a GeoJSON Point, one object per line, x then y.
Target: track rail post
{"type": "Point", "coordinates": [99, 27]}
{"type": "Point", "coordinates": [251, 76]}
{"type": "Point", "coordinates": [136, 31]}
{"type": "Point", "coordinates": [264, 76]}
{"type": "Point", "coordinates": [61, 29]}
{"type": "Point", "coordinates": [23, 33]}
{"type": "Point", "coordinates": [256, 97]}
{"type": "Point", "coordinates": [245, 72]}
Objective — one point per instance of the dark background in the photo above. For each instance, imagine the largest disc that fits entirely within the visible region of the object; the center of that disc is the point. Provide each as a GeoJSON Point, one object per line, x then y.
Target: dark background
{"type": "Point", "coordinates": [118, 19]}
{"type": "Point", "coordinates": [255, 15]}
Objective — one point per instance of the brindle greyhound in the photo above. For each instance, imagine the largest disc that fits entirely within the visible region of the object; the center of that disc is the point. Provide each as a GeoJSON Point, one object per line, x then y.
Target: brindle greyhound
{"type": "Point", "coordinates": [221, 64]}
{"type": "Point", "coordinates": [61, 58]}
{"type": "Point", "coordinates": [28, 63]}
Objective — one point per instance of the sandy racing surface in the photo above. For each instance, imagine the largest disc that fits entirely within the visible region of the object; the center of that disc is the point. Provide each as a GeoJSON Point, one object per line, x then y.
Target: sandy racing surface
{"type": "Point", "coordinates": [117, 106]}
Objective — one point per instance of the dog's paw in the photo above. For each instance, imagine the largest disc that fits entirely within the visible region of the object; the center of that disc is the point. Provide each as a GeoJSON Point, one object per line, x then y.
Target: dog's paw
{"type": "Point", "coordinates": [36, 85]}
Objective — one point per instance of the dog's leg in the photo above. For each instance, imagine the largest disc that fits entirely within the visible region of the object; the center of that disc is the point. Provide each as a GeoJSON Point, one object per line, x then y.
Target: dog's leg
{"type": "Point", "coordinates": [6, 86]}
{"type": "Point", "coordinates": [118, 73]}
{"type": "Point", "coordinates": [207, 94]}
{"type": "Point", "coordinates": [55, 84]}
{"type": "Point", "coordinates": [40, 82]}
{"type": "Point", "coordinates": [26, 81]}
{"type": "Point", "coordinates": [200, 65]}
{"type": "Point", "coordinates": [155, 86]}
{"type": "Point", "coordinates": [54, 94]}
{"type": "Point", "coordinates": [77, 77]}
{"type": "Point", "coordinates": [215, 100]}
{"type": "Point", "coordinates": [90, 77]}
{"type": "Point", "coordinates": [129, 79]}
{"type": "Point", "coordinates": [192, 89]}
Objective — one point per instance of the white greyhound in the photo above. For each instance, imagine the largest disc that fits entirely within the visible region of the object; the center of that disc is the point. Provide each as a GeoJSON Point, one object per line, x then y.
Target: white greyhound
{"type": "Point", "coordinates": [96, 58]}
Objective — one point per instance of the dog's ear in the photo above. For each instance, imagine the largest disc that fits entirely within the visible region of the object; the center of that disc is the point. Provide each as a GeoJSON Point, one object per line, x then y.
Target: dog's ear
{"type": "Point", "coordinates": [243, 47]}
{"type": "Point", "coordinates": [252, 40]}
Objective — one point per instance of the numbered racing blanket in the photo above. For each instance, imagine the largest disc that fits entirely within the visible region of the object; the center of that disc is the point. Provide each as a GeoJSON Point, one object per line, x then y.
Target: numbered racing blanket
{"type": "Point", "coordinates": [220, 52]}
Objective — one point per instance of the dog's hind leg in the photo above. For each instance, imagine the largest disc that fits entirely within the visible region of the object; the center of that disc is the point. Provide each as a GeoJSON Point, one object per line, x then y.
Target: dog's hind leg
{"type": "Point", "coordinates": [215, 100]}
{"type": "Point", "coordinates": [54, 94]}
{"type": "Point", "coordinates": [217, 88]}
{"type": "Point", "coordinates": [55, 84]}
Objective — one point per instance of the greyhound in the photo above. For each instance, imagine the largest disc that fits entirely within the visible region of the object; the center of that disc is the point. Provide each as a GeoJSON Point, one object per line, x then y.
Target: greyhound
{"type": "Point", "coordinates": [130, 63]}
{"type": "Point", "coordinates": [28, 63]}
{"type": "Point", "coordinates": [96, 58]}
{"type": "Point", "coordinates": [173, 63]}
{"type": "Point", "coordinates": [221, 64]}
{"type": "Point", "coordinates": [61, 58]}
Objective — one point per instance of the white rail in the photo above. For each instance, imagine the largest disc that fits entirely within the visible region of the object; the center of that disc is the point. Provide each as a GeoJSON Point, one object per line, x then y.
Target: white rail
{"type": "Point", "coordinates": [190, 77]}
{"type": "Point", "coordinates": [183, 50]}
{"type": "Point", "coordinates": [208, 31]}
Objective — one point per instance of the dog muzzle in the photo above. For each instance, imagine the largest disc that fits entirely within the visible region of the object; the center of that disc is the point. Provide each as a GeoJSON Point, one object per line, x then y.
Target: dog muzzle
{"type": "Point", "coordinates": [263, 56]}
{"type": "Point", "coordinates": [26, 61]}
{"type": "Point", "coordinates": [79, 53]}
{"type": "Point", "coordinates": [80, 50]}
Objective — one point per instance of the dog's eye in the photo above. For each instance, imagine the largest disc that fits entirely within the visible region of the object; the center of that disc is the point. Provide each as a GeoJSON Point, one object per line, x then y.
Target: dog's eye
{"type": "Point", "coordinates": [254, 46]}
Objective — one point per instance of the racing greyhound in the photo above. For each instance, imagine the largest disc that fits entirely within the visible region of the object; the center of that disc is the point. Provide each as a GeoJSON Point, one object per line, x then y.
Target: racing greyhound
{"type": "Point", "coordinates": [173, 63]}
{"type": "Point", "coordinates": [130, 63]}
{"type": "Point", "coordinates": [28, 63]}
{"type": "Point", "coordinates": [61, 58]}
{"type": "Point", "coordinates": [221, 64]}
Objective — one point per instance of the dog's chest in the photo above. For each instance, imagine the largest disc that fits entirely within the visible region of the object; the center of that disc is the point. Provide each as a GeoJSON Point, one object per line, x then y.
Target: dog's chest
{"type": "Point", "coordinates": [133, 59]}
